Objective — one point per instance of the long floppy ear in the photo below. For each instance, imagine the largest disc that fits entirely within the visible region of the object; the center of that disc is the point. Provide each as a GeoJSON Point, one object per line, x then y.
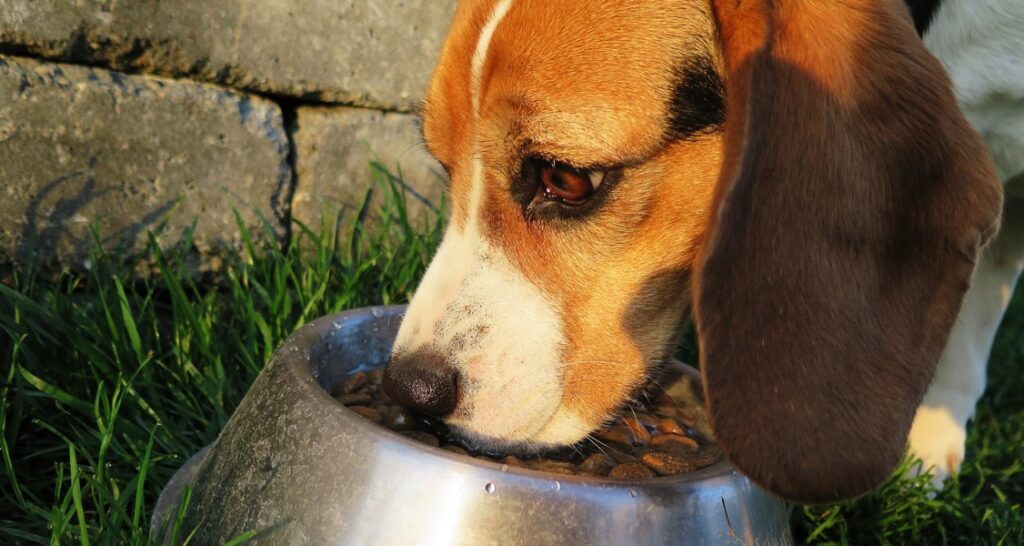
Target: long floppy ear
{"type": "Point", "coordinates": [845, 227]}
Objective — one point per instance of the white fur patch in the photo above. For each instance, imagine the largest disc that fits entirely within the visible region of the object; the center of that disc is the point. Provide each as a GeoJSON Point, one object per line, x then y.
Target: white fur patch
{"type": "Point", "coordinates": [483, 45]}
{"type": "Point", "coordinates": [500, 331]}
{"type": "Point", "coordinates": [980, 44]}
{"type": "Point", "coordinates": [564, 425]}
{"type": "Point", "coordinates": [937, 438]}
{"type": "Point", "coordinates": [476, 69]}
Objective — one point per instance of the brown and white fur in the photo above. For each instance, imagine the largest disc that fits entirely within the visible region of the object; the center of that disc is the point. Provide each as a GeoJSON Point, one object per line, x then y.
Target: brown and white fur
{"type": "Point", "coordinates": [797, 175]}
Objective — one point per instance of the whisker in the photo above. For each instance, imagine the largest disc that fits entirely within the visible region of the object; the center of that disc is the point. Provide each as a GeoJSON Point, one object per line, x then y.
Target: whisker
{"type": "Point", "coordinates": [598, 444]}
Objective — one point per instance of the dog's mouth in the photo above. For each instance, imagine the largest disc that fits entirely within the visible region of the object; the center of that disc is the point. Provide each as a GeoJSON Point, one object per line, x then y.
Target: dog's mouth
{"type": "Point", "coordinates": [486, 444]}
{"type": "Point", "coordinates": [660, 420]}
{"type": "Point", "coordinates": [497, 449]}
{"type": "Point", "coordinates": [478, 442]}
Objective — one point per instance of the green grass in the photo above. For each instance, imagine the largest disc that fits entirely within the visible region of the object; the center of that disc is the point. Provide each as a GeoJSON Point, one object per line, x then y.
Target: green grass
{"type": "Point", "coordinates": [111, 381]}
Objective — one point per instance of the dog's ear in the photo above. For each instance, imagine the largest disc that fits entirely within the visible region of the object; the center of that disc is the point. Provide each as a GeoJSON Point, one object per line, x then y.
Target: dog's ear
{"type": "Point", "coordinates": [851, 208]}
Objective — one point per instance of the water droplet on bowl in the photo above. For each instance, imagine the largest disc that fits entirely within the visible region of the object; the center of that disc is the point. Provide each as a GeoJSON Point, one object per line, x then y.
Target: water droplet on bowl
{"type": "Point", "coordinates": [558, 485]}
{"type": "Point", "coordinates": [489, 487]}
{"type": "Point", "coordinates": [632, 493]}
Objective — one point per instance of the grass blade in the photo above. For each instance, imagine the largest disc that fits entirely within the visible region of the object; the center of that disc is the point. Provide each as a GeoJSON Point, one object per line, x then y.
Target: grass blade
{"type": "Point", "coordinates": [76, 493]}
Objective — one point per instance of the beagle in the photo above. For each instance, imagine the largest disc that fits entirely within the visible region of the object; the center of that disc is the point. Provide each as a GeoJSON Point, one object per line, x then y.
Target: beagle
{"type": "Point", "coordinates": [795, 175]}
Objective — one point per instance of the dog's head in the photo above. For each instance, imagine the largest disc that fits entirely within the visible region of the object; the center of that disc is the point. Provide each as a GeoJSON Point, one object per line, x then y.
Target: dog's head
{"type": "Point", "coordinates": [797, 171]}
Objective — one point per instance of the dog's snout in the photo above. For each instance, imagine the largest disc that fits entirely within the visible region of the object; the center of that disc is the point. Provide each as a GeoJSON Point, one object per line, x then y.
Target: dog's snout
{"type": "Point", "coordinates": [424, 382]}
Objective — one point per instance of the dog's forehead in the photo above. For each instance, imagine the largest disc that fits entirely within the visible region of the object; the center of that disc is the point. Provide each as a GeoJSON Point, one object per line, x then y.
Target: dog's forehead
{"type": "Point", "coordinates": [588, 82]}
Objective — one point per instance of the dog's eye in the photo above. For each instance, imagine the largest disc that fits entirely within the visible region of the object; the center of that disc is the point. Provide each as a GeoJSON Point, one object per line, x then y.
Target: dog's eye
{"type": "Point", "coordinates": [569, 185]}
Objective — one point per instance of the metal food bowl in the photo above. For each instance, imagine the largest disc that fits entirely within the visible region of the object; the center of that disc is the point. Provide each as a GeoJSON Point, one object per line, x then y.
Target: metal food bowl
{"type": "Point", "coordinates": [296, 467]}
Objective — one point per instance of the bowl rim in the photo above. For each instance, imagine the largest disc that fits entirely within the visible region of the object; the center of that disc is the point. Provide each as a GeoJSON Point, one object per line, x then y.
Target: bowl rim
{"type": "Point", "coordinates": [301, 369]}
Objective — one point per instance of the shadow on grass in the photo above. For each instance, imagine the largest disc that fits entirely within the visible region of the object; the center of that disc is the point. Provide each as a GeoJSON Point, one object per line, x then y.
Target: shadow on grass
{"type": "Point", "coordinates": [111, 379]}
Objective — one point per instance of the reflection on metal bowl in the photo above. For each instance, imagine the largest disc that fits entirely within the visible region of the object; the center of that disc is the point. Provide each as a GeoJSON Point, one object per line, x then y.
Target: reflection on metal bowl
{"type": "Point", "coordinates": [296, 467]}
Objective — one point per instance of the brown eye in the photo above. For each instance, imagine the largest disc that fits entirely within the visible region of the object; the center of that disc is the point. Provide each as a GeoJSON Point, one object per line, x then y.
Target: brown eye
{"type": "Point", "coordinates": [568, 184]}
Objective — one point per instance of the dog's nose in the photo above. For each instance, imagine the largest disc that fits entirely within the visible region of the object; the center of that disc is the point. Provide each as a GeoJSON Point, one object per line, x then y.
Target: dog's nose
{"type": "Point", "coordinates": [422, 381]}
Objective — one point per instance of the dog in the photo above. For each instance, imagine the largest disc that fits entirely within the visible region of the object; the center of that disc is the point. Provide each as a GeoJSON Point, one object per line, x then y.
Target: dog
{"type": "Point", "coordinates": [805, 179]}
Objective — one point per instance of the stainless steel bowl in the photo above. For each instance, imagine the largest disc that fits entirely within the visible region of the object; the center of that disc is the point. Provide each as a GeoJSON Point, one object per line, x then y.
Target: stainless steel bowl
{"type": "Point", "coordinates": [297, 467]}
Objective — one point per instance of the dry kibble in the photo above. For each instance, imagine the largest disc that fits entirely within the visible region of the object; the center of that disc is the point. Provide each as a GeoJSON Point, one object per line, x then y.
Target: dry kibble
{"type": "Point", "coordinates": [353, 383]}
{"type": "Point", "coordinates": [598, 463]}
{"type": "Point", "coordinates": [675, 443]}
{"type": "Point", "coordinates": [615, 437]}
{"type": "Point", "coordinates": [669, 426]}
{"type": "Point", "coordinates": [652, 441]}
{"type": "Point", "coordinates": [355, 399]}
{"type": "Point", "coordinates": [368, 413]}
{"type": "Point", "coordinates": [621, 456]}
{"type": "Point", "coordinates": [375, 376]}
{"type": "Point", "coordinates": [667, 464]}
{"type": "Point", "coordinates": [455, 449]}
{"type": "Point", "coordinates": [630, 471]}
{"type": "Point", "coordinates": [708, 455]}
{"type": "Point", "coordinates": [649, 420]}
{"type": "Point", "coordinates": [512, 460]}
{"type": "Point", "coordinates": [637, 430]}
{"type": "Point", "coordinates": [399, 418]}
{"type": "Point", "coordinates": [425, 437]}
{"type": "Point", "coordinates": [554, 467]}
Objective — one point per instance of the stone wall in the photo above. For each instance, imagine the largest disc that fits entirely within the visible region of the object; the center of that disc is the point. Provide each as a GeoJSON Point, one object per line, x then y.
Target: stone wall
{"type": "Point", "coordinates": [133, 116]}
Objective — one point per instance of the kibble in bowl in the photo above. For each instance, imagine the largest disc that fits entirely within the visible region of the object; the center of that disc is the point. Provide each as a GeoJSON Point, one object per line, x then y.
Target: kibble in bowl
{"type": "Point", "coordinates": [661, 432]}
{"type": "Point", "coordinates": [293, 464]}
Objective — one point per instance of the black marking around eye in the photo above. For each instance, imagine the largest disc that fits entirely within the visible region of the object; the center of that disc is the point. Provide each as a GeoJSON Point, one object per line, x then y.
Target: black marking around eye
{"type": "Point", "coordinates": [698, 100]}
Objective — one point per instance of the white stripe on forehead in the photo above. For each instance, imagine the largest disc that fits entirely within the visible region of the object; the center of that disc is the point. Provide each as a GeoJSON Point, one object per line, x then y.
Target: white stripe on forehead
{"type": "Point", "coordinates": [462, 309]}
{"type": "Point", "coordinates": [480, 55]}
{"type": "Point", "coordinates": [475, 86]}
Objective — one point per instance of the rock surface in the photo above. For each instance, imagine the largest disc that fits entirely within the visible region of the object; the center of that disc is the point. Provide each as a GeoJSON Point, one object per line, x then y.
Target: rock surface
{"type": "Point", "coordinates": [366, 52]}
{"type": "Point", "coordinates": [334, 148]}
{"type": "Point", "coordinates": [82, 145]}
